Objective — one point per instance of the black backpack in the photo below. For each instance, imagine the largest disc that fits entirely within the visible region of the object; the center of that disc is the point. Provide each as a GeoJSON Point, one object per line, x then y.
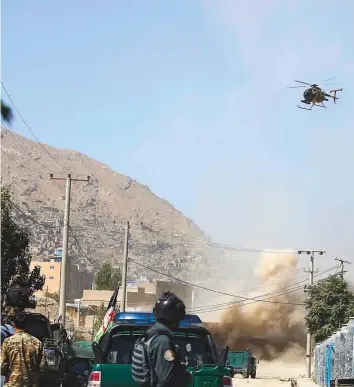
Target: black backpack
{"type": "Point", "coordinates": [142, 368]}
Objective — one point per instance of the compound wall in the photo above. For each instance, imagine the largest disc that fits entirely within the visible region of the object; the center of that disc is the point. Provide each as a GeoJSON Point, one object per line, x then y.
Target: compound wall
{"type": "Point", "coordinates": [334, 357]}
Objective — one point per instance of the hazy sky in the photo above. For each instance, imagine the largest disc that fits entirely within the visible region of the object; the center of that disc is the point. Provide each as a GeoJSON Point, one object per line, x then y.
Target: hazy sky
{"type": "Point", "coordinates": [189, 98]}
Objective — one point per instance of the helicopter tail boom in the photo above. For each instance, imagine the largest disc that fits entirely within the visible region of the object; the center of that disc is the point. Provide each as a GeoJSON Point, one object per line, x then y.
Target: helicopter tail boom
{"type": "Point", "coordinates": [334, 96]}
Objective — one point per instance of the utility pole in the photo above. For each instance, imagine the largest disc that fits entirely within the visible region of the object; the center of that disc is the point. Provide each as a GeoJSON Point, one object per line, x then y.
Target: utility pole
{"type": "Point", "coordinates": [342, 262]}
{"type": "Point", "coordinates": [125, 269]}
{"type": "Point", "coordinates": [308, 341]}
{"type": "Point", "coordinates": [64, 261]}
{"type": "Point", "coordinates": [78, 313]}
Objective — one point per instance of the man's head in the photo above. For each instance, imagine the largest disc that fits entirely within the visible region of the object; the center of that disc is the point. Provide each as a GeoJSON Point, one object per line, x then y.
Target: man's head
{"type": "Point", "coordinates": [19, 321]}
{"type": "Point", "coordinates": [169, 309]}
{"type": "Point", "coordinates": [17, 280]}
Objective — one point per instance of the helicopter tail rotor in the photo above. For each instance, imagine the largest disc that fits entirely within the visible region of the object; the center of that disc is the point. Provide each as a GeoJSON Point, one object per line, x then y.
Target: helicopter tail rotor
{"type": "Point", "coordinates": [334, 96]}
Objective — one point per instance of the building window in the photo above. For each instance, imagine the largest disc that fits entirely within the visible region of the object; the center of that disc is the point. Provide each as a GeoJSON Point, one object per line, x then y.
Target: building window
{"type": "Point", "coordinates": [51, 277]}
{"type": "Point", "coordinates": [51, 267]}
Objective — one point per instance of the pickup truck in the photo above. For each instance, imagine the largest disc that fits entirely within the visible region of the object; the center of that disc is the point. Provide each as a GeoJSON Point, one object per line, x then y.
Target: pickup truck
{"type": "Point", "coordinates": [113, 353]}
{"type": "Point", "coordinates": [242, 362]}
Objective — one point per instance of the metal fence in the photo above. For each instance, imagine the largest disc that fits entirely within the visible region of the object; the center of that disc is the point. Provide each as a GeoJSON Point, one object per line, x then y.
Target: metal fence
{"type": "Point", "coordinates": [334, 357]}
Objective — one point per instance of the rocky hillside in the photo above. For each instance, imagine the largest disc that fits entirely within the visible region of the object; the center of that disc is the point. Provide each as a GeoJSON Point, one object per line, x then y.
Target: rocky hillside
{"type": "Point", "coordinates": [160, 235]}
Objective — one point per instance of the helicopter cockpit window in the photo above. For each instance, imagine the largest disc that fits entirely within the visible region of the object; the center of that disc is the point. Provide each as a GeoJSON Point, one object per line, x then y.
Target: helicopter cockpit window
{"type": "Point", "coordinates": [307, 93]}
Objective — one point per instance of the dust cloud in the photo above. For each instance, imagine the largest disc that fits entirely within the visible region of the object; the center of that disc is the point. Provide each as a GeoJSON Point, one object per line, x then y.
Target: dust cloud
{"type": "Point", "coordinates": [269, 329]}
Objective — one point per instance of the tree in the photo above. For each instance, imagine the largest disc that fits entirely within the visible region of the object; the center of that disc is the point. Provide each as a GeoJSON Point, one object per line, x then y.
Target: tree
{"type": "Point", "coordinates": [108, 277]}
{"type": "Point", "coordinates": [329, 303]}
{"type": "Point", "coordinates": [15, 256]}
{"type": "Point", "coordinates": [6, 112]}
{"type": "Point", "coordinates": [98, 318]}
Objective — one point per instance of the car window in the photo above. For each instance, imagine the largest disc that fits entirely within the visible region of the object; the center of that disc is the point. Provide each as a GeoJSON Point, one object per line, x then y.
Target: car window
{"type": "Point", "coordinates": [199, 352]}
{"type": "Point", "coordinates": [121, 349]}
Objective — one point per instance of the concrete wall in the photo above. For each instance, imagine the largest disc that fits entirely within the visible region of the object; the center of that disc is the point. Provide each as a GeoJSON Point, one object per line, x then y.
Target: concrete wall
{"type": "Point", "coordinates": [144, 296]}
{"type": "Point", "coordinates": [183, 291]}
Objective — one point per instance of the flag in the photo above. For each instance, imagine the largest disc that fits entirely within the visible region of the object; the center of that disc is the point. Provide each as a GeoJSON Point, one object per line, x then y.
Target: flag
{"type": "Point", "coordinates": [108, 317]}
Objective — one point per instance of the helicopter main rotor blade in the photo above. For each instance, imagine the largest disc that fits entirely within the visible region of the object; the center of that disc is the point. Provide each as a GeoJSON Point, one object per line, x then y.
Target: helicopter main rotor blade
{"type": "Point", "coordinates": [294, 87]}
{"type": "Point", "coordinates": [303, 83]}
{"type": "Point", "coordinates": [332, 84]}
{"type": "Point", "coordinates": [327, 80]}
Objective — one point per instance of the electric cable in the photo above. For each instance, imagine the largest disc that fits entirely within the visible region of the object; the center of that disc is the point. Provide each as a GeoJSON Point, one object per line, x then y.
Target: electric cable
{"type": "Point", "coordinates": [208, 289]}
{"type": "Point", "coordinates": [28, 127]}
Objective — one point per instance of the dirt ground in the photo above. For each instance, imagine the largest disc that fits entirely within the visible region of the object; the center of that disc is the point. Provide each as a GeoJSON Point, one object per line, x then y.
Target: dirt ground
{"type": "Point", "coordinates": [270, 374]}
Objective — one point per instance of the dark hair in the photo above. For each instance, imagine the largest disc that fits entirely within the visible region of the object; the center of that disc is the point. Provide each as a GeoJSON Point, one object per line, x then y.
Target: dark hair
{"type": "Point", "coordinates": [19, 320]}
{"type": "Point", "coordinates": [17, 280]}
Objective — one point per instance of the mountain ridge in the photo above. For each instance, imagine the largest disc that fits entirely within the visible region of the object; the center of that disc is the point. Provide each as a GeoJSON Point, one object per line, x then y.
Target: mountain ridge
{"type": "Point", "coordinates": [160, 234]}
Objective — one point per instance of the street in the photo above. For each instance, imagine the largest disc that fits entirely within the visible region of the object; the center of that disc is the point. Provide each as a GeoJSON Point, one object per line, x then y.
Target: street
{"type": "Point", "coordinates": [275, 373]}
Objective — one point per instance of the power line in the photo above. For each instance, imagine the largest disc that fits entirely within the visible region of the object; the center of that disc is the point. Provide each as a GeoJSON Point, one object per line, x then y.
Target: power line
{"type": "Point", "coordinates": [22, 147]}
{"type": "Point", "coordinates": [250, 290]}
{"type": "Point", "coordinates": [227, 247]}
{"type": "Point", "coordinates": [32, 219]}
{"type": "Point", "coordinates": [28, 127]}
{"type": "Point", "coordinates": [243, 303]}
{"type": "Point", "coordinates": [83, 252]}
{"type": "Point", "coordinates": [21, 165]}
{"type": "Point", "coordinates": [208, 289]}
{"type": "Point", "coordinates": [278, 293]}
{"type": "Point", "coordinates": [47, 226]}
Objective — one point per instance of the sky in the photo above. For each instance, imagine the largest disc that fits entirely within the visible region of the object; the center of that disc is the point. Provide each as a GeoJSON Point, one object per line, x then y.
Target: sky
{"type": "Point", "coordinates": [190, 98]}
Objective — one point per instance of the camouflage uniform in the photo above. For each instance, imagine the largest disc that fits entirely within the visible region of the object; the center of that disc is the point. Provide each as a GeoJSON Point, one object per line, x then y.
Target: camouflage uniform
{"type": "Point", "coordinates": [22, 359]}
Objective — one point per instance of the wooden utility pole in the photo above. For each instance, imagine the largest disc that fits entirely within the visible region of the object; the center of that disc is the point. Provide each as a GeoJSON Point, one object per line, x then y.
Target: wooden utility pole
{"type": "Point", "coordinates": [64, 260]}
{"type": "Point", "coordinates": [125, 269]}
{"type": "Point", "coordinates": [342, 262]}
{"type": "Point", "coordinates": [308, 341]}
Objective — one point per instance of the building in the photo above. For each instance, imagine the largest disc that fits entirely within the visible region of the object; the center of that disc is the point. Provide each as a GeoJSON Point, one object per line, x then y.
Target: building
{"type": "Point", "coordinates": [139, 298]}
{"type": "Point", "coordinates": [77, 280]}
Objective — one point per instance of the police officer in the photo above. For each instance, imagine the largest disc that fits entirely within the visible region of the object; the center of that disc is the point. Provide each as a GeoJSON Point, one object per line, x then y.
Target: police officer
{"type": "Point", "coordinates": [22, 356]}
{"type": "Point", "coordinates": [169, 371]}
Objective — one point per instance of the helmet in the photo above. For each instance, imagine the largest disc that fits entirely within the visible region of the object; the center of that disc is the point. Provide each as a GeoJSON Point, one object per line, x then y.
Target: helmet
{"type": "Point", "coordinates": [170, 307]}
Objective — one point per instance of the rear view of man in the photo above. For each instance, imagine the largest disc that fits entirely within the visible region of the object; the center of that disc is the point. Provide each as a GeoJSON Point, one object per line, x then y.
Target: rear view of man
{"type": "Point", "coordinates": [165, 362]}
{"type": "Point", "coordinates": [22, 356]}
{"type": "Point", "coordinates": [17, 296]}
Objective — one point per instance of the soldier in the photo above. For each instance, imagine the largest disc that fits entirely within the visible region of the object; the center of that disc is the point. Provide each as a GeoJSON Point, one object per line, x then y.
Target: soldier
{"type": "Point", "coordinates": [168, 371]}
{"type": "Point", "coordinates": [22, 356]}
{"type": "Point", "coordinates": [17, 295]}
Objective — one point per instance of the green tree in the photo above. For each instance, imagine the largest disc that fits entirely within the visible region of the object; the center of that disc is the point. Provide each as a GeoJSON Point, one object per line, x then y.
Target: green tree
{"type": "Point", "coordinates": [98, 318]}
{"type": "Point", "coordinates": [108, 277]}
{"type": "Point", "coordinates": [6, 112]}
{"type": "Point", "coordinates": [15, 256]}
{"type": "Point", "coordinates": [329, 303]}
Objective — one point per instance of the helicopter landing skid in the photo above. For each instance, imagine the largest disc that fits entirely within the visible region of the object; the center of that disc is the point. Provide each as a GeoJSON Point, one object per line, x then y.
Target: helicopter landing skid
{"type": "Point", "coordinates": [300, 107]}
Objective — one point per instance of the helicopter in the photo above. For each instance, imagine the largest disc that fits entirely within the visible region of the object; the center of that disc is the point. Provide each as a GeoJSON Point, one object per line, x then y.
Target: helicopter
{"type": "Point", "coordinates": [315, 96]}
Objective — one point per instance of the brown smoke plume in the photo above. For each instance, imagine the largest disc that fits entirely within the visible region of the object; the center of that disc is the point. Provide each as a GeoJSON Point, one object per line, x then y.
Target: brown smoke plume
{"type": "Point", "coordinates": [267, 329]}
